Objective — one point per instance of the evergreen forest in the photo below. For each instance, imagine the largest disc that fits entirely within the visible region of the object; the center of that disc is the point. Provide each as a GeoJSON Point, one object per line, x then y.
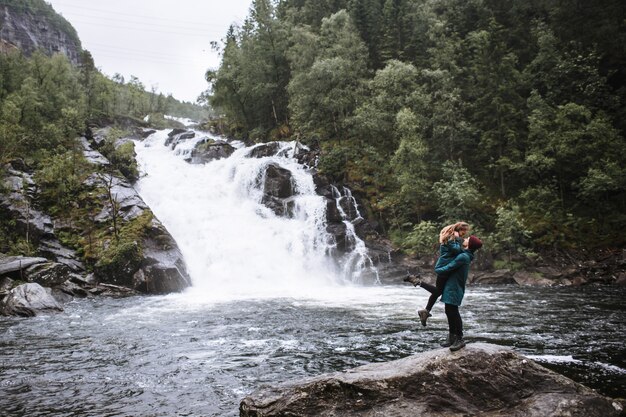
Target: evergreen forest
{"type": "Point", "coordinates": [507, 114]}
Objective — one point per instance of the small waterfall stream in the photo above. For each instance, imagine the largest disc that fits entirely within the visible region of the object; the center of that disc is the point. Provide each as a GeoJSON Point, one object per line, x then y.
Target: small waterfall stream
{"type": "Point", "coordinates": [233, 244]}
{"type": "Point", "coordinates": [357, 262]}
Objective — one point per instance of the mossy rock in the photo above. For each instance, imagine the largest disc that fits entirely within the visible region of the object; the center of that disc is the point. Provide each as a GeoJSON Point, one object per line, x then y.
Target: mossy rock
{"type": "Point", "coordinates": [119, 263]}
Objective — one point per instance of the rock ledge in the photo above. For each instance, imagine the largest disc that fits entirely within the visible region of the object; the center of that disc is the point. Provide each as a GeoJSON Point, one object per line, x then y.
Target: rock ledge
{"type": "Point", "coordinates": [482, 379]}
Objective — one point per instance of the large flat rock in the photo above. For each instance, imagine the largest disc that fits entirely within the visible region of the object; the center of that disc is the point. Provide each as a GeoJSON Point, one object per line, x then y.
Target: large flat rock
{"type": "Point", "coordinates": [17, 264]}
{"type": "Point", "coordinates": [482, 379]}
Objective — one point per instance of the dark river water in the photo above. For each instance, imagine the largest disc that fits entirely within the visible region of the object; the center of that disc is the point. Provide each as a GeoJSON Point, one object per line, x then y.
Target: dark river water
{"type": "Point", "coordinates": [175, 355]}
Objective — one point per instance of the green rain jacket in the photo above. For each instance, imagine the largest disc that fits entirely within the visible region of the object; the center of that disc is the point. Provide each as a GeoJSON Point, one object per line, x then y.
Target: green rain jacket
{"type": "Point", "coordinates": [457, 272]}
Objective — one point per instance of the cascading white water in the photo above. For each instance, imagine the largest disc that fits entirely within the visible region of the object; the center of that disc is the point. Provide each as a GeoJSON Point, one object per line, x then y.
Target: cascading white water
{"type": "Point", "coordinates": [357, 262]}
{"type": "Point", "coordinates": [235, 246]}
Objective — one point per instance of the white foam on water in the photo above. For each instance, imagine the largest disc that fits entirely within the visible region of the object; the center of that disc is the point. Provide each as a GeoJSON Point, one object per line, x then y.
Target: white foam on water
{"type": "Point", "coordinates": [568, 359]}
{"type": "Point", "coordinates": [554, 358]}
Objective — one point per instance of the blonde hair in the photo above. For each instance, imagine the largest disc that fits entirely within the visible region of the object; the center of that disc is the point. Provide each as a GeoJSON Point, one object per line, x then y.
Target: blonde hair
{"type": "Point", "coordinates": [448, 231]}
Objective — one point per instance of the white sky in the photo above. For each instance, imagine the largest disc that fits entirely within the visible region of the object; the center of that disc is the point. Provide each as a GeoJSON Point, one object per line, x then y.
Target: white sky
{"type": "Point", "coordinates": [165, 43]}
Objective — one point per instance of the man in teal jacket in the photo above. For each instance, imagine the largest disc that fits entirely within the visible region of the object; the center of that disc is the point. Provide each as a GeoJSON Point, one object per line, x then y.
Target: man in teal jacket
{"type": "Point", "coordinates": [454, 290]}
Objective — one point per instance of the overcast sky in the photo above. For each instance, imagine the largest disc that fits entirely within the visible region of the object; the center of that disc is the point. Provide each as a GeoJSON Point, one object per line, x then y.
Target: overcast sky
{"type": "Point", "coordinates": [166, 43]}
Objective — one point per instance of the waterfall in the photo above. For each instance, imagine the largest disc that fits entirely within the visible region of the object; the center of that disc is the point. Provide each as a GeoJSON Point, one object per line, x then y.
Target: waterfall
{"type": "Point", "coordinates": [356, 264]}
{"type": "Point", "coordinates": [232, 243]}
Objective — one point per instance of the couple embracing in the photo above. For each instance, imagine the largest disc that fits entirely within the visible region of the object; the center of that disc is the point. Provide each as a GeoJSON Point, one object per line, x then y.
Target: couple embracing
{"type": "Point", "coordinates": [456, 252]}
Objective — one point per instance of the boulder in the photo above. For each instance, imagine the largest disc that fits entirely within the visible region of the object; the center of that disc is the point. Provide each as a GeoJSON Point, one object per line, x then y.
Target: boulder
{"type": "Point", "coordinates": [27, 300]}
{"type": "Point", "coordinates": [278, 182]}
{"type": "Point", "coordinates": [333, 215]}
{"type": "Point", "coordinates": [162, 268]}
{"type": "Point", "coordinates": [532, 279]}
{"type": "Point", "coordinates": [66, 291]}
{"type": "Point", "coordinates": [209, 150]}
{"type": "Point", "coordinates": [482, 379]}
{"type": "Point", "coordinates": [322, 186]}
{"type": "Point", "coordinates": [160, 279]}
{"type": "Point", "coordinates": [177, 136]}
{"type": "Point", "coordinates": [265, 150]}
{"type": "Point", "coordinates": [306, 157]}
{"type": "Point", "coordinates": [338, 232]}
{"type": "Point", "coordinates": [549, 272]}
{"type": "Point", "coordinates": [278, 189]}
{"type": "Point", "coordinates": [146, 132]}
{"type": "Point", "coordinates": [280, 206]}
{"type": "Point", "coordinates": [176, 131]}
{"type": "Point", "coordinates": [154, 265]}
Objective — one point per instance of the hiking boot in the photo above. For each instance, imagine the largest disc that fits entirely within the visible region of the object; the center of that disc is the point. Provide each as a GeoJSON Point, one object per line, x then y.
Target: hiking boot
{"type": "Point", "coordinates": [449, 341]}
{"type": "Point", "coordinates": [424, 315]}
{"type": "Point", "coordinates": [459, 343]}
{"type": "Point", "coordinates": [413, 279]}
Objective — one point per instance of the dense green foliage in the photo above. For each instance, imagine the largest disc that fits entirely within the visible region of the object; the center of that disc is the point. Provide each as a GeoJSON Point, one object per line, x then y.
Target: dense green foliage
{"type": "Point", "coordinates": [506, 114]}
{"type": "Point", "coordinates": [45, 105]}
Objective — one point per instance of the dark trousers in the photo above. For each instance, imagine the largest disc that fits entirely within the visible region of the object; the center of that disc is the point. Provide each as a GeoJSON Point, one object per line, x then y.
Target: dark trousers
{"type": "Point", "coordinates": [454, 320]}
{"type": "Point", "coordinates": [434, 290]}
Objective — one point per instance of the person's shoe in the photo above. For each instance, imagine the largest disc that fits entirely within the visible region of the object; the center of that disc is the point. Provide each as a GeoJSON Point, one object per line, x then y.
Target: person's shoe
{"type": "Point", "coordinates": [458, 344]}
{"type": "Point", "coordinates": [449, 341]}
{"type": "Point", "coordinates": [424, 315]}
{"type": "Point", "coordinates": [413, 279]}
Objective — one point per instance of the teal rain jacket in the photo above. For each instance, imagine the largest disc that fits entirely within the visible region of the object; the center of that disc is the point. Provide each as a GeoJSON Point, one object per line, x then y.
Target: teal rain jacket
{"type": "Point", "coordinates": [448, 252]}
{"type": "Point", "coordinates": [457, 272]}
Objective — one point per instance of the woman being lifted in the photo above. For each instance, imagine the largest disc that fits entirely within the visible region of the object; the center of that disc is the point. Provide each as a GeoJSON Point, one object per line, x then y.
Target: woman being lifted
{"type": "Point", "coordinates": [450, 245]}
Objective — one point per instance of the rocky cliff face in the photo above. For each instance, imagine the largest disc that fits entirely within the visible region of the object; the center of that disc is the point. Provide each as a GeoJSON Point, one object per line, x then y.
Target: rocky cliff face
{"type": "Point", "coordinates": [36, 26]}
{"type": "Point", "coordinates": [151, 264]}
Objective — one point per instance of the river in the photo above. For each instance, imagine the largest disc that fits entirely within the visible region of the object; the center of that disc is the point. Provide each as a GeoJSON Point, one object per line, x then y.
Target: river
{"type": "Point", "coordinates": [269, 305]}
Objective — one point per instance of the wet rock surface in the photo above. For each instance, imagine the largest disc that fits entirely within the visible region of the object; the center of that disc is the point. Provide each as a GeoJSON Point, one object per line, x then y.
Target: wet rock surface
{"type": "Point", "coordinates": [28, 300]}
{"type": "Point", "coordinates": [162, 269]}
{"type": "Point", "coordinates": [264, 150]}
{"type": "Point", "coordinates": [177, 136]}
{"type": "Point", "coordinates": [278, 188]}
{"type": "Point", "coordinates": [481, 379]}
{"type": "Point", "coordinates": [209, 150]}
